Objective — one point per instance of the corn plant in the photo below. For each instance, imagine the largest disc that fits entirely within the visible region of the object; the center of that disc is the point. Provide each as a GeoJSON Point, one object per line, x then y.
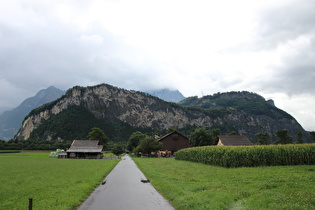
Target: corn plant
{"type": "Point", "coordinates": [250, 156]}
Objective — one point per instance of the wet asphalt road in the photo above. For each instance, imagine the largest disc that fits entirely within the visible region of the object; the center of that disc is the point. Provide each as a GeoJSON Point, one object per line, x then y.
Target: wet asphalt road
{"type": "Point", "coordinates": [124, 190]}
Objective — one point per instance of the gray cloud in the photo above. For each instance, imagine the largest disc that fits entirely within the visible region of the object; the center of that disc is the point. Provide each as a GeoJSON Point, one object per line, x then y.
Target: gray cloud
{"type": "Point", "coordinates": [40, 48]}
{"type": "Point", "coordinates": [282, 24]}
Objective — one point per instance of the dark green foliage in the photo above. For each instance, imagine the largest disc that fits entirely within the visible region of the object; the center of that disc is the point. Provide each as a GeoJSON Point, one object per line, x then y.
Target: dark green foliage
{"type": "Point", "coordinates": [232, 133]}
{"type": "Point", "coordinates": [98, 134]}
{"type": "Point", "coordinates": [10, 151]}
{"type": "Point", "coordinates": [134, 140]}
{"type": "Point", "coordinates": [148, 145]}
{"type": "Point", "coordinates": [202, 137]}
{"type": "Point", "coordinates": [118, 150]}
{"type": "Point", "coordinates": [250, 156]}
{"type": "Point", "coordinates": [299, 138]}
{"type": "Point", "coordinates": [283, 137]}
{"type": "Point", "coordinates": [34, 145]}
{"type": "Point", "coordinates": [220, 104]}
{"type": "Point", "coordinates": [188, 101]}
{"type": "Point", "coordinates": [312, 133]}
{"type": "Point", "coordinates": [263, 138]}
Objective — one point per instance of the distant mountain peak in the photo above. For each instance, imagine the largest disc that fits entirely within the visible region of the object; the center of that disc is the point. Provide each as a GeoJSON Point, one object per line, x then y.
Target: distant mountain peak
{"type": "Point", "coordinates": [10, 121]}
{"type": "Point", "coordinates": [167, 95]}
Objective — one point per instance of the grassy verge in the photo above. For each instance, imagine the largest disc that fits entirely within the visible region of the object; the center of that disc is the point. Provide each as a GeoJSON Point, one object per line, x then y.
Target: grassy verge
{"type": "Point", "coordinates": [52, 183]}
{"type": "Point", "coordinates": [189, 185]}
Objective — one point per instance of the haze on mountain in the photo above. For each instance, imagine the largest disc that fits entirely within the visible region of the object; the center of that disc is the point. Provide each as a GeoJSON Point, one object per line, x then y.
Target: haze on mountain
{"type": "Point", "coordinates": [167, 95]}
{"type": "Point", "coordinates": [197, 47]}
{"type": "Point", "coordinates": [11, 121]}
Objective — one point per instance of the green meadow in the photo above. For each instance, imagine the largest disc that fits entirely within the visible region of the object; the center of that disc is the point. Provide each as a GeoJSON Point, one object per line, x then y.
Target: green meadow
{"type": "Point", "coordinates": [189, 185]}
{"type": "Point", "coordinates": [52, 183]}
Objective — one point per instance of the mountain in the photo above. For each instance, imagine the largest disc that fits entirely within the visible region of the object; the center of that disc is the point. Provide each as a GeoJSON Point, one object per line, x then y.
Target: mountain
{"type": "Point", "coordinates": [119, 112]}
{"type": "Point", "coordinates": [11, 121]}
{"type": "Point", "coordinates": [167, 95]}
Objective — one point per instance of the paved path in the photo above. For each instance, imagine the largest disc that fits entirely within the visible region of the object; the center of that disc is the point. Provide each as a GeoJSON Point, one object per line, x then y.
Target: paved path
{"type": "Point", "coordinates": [124, 190]}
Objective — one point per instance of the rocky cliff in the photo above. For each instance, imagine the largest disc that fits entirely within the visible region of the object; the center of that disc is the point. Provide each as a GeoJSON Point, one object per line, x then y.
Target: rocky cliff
{"type": "Point", "coordinates": [82, 108]}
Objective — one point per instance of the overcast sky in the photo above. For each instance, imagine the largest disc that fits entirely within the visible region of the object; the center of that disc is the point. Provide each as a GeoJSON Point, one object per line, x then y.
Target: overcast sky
{"type": "Point", "coordinates": [199, 47]}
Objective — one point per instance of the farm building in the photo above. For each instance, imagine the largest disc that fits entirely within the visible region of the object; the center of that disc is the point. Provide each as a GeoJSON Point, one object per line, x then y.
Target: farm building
{"type": "Point", "coordinates": [232, 140]}
{"type": "Point", "coordinates": [173, 142]}
{"type": "Point", "coordinates": [86, 149]}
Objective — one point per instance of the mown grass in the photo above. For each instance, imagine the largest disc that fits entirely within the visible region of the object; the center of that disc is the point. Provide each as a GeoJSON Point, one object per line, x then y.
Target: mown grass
{"type": "Point", "coordinates": [189, 185]}
{"type": "Point", "coordinates": [52, 183]}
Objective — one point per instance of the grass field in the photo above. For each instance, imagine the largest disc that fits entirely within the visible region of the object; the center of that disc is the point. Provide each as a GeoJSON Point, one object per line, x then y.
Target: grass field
{"type": "Point", "coordinates": [52, 183]}
{"type": "Point", "coordinates": [189, 185]}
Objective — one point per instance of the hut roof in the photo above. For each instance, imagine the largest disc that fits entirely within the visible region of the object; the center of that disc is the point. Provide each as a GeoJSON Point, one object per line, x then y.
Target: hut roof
{"type": "Point", "coordinates": [173, 132]}
{"type": "Point", "coordinates": [233, 140]}
{"type": "Point", "coordinates": [85, 146]}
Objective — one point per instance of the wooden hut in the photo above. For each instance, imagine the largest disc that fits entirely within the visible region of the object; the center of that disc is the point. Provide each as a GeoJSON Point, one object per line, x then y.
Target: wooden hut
{"type": "Point", "coordinates": [86, 149]}
{"type": "Point", "coordinates": [232, 140]}
{"type": "Point", "coordinates": [173, 142]}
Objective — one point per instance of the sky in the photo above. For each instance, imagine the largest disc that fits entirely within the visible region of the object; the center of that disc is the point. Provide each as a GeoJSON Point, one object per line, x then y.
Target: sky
{"type": "Point", "coordinates": [199, 47]}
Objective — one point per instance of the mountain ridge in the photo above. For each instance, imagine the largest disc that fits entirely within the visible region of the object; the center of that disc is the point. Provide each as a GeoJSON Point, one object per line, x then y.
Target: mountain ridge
{"type": "Point", "coordinates": [11, 120]}
{"type": "Point", "coordinates": [106, 105]}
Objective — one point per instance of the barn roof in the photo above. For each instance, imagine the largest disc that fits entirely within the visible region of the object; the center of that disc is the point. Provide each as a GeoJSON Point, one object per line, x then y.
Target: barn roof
{"type": "Point", "coordinates": [85, 146]}
{"type": "Point", "coordinates": [173, 132]}
{"type": "Point", "coordinates": [234, 140]}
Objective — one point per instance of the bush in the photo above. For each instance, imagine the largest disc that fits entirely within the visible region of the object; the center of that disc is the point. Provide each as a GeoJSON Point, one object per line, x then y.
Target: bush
{"type": "Point", "coordinates": [250, 156]}
{"type": "Point", "coordinates": [10, 151]}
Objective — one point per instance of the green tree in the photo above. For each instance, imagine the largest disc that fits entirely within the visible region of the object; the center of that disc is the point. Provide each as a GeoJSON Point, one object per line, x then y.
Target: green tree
{"type": "Point", "coordinates": [263, 138]}
{"type": "Point", "coordinates": [215, 132]}
{"type": "Point", "coordinates": [134, 140]}
{"type": "Point", "coordinates": [283, 137]}
{"type": "Point", "coordinates": [118, 150]}
{"type": "Point", "coordinates": [148, 145]}
{"type": "Point", "coordinates": [232, 133]}
{"type": "Point", "coordinates": [98, 134]}
{"type": "Point", "coordinates": [299, 138]}
{"type": "Point", "coordinates": [201, 137]}
{"type": "Point", "coordinates": [170, 130]}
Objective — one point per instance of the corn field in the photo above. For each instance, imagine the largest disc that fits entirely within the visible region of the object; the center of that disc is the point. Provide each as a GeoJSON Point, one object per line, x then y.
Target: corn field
{"type": "Point", "coordinates": [250, 156]}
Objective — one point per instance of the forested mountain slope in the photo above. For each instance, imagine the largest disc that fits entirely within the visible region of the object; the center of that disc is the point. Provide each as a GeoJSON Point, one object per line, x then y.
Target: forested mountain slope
{"type": "Point", "coordinates": [119, 112]}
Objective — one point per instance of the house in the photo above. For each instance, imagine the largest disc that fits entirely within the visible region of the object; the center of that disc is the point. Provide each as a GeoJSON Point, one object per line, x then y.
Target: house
{"type": "Point", "coordinates": [173, 142]}
{"type": "Point", "coordinates": [232, 140]}
{"type": "Point", "coordinates": [86, 149]}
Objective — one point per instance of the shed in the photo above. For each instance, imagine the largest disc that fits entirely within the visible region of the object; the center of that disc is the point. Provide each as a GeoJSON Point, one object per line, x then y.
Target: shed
{"type": "Point", "coordinates": [62, 155]}
{"type": "Point", "coordinates": [174, 141]}
{"type": "Point", "coordinates": [232, 140]}
{"type": "Point", "coordinates": [86, 149]}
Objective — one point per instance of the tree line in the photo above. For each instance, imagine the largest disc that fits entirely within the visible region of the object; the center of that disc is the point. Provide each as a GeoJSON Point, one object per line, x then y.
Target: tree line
{"type": "Point", "coordinates": [139, 142]}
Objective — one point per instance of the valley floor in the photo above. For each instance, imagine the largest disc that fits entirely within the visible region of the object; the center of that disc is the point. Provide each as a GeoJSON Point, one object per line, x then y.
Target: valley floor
{"type": "Point", "coordinates": [190, 185]}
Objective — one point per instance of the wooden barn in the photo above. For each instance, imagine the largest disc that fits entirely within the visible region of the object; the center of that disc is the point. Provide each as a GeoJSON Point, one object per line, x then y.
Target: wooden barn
{"type": "Point", "coordinates": [232, 140]}
{"type": "Point", "coordinates": [85, 149]}
{"type": "Point", "coordinates": [173, 142]}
